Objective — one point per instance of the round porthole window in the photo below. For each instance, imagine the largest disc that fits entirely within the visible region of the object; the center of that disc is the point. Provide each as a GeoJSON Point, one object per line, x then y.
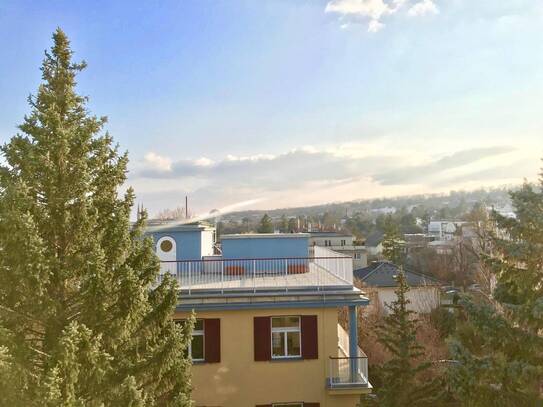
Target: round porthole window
{"type": "Point", "coordinates": [166, 246]}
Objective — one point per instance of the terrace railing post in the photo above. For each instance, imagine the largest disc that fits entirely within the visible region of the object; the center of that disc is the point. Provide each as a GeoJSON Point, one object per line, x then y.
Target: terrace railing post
{"type": "Point", "coordinates": [254, 276]}
{"type": "Point", "coordinates": [222, 277]}
{"type": "Point", "coordinates": [286, 275]}
{"type": "Point", "coordinates": [190, 280]}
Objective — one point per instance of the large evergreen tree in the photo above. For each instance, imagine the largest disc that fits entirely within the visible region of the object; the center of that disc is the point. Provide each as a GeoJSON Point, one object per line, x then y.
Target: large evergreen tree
{"type": "Point", "coordinates": [393, 243]}
{"type": "Point", "coordinates": [81, 322]}
{"type": "Point", "coordinates": [499, 343]}
{"type": "Point", "coordinates": [401, 384]}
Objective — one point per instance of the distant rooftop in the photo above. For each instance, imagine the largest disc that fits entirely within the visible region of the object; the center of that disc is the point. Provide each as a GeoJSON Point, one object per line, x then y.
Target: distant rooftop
{"type": "Point", "coordinates": [155, 225]}
{"type": "Point", "coordinates": [374, 238]}
{"type": "Point", "coordinates": [330, 234]}
{"type": "Point", "coordinates": [381, 274]}
{"type": "Point", "coordinates": [264, 236]}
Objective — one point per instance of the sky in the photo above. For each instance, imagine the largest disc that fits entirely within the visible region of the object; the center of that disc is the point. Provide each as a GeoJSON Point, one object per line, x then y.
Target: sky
{"type": "Point", "coordinates": [280, 103]}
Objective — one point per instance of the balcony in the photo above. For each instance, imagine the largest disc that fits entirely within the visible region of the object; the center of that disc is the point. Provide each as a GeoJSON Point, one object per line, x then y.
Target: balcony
{"type": "Point", "coordinates": [347, 373]}
{"type": "Point", "coordinates": [324, 270]}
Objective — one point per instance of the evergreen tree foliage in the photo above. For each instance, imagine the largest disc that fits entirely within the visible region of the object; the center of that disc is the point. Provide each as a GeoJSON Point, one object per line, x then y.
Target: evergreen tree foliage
{"type": "Point", "coordinates": [499, 345]}
{"type": "Point", "coordinates": [401, 385]}
{"type": "Point", "coordinates": [266, 224]}
{"type": "Point", "coordinates": [81, 321]}
{"type": "Point", "coordinates": [283, 226]}
{"type": "Point", "coordinates": [393, 243]}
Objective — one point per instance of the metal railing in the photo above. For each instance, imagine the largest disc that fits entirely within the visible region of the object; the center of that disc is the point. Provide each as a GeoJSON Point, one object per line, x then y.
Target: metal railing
{"type": "Point", "coordinates": [345, 371]}
{"type": "Point", "coordinates": [219, 274]}
{"type": "Point", "coordinates": [348, 371]}
{"type": "Point", "coordinates": [327, 259]}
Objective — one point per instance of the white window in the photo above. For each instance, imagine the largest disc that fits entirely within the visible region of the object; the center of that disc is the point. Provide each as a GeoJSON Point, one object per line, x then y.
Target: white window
{"type": "Point", "coordinates": [343, 242]}
{"type": "Point", "coordinates": [196, 345]}
{"type": "Point", "coordinates": [286, 334]}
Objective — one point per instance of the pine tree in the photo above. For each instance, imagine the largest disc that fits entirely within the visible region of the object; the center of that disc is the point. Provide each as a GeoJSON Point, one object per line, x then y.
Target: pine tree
{"type": "Point", "coordinates": [266, 224]}
{"type": "Point", "coordinates": [393, 244]}
{"type": "Point", "coordinates": [81, 321]}
{"type": "Point", "coordinates": [401, 385]}
{"type": "Point", "coordinates": [498, 344]}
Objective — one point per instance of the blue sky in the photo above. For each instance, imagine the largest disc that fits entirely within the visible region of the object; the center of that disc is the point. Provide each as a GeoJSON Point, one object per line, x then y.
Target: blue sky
{"type": "Point", "coordinates": [286, 103]}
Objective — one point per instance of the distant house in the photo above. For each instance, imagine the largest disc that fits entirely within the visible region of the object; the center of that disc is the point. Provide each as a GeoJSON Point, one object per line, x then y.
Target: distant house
{"type": "Point", "coordinates": [374, 243]}
{"type": "Point", "coordinates": [415, 242]}
{"type": "Point", "coordinates": [424, 292]}
{"type": "Point", "coordinates": [441, 230]}
{"type": "Point", "coordinates": [342, 243]}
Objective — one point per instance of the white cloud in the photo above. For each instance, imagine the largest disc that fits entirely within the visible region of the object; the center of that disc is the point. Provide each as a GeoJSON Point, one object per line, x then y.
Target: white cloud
{"type": "Point", "coordinates": [373, 9]}
{"type": "Point", "coordinates": [157, 162]}
{"type": "Point", "coordinates": [422, 8]}
{"type": "Point", "coordinates": [375, 26]}
{"type": "Point", "coordinates": [203, 162]}
{"type": "Point", "coordinates": [373, 12]}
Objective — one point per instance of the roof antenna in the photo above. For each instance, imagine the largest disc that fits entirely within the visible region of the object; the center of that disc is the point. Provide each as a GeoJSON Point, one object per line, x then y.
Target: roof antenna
{"type": "Point", "coordinates": [186, 207]}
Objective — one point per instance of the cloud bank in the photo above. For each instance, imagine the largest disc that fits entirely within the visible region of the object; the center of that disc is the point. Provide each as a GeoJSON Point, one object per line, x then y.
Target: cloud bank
{"type": "Point", "coordinates": [311, 175]}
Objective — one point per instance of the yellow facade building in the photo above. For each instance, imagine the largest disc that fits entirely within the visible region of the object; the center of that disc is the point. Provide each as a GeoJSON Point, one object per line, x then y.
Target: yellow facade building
{"type": "Point", "coordinates": [267, 331]}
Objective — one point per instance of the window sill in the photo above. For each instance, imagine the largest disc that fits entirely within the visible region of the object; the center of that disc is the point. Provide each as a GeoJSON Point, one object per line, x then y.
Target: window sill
{"type": "Point", "coordinates": [286, 359]}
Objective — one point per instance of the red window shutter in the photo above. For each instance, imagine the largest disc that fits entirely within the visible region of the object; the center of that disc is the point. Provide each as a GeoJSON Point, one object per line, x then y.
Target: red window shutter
{"type": "Point", "coordinates": [312, 404]}
{"type": "Point", "coordinates": [212, 340]}
{"type": "Point", "coordinates": [310, 339]}
{"type": "Point", "coordinates": [263, 405]}
{"type": "Point", "coordinates": [262, 338]}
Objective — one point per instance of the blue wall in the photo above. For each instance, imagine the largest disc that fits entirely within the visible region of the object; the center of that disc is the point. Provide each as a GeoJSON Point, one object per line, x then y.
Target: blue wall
{"type": "Point", "coordinates": [188, 243]}
{"type": "Point", "coordinates": [264, 247]}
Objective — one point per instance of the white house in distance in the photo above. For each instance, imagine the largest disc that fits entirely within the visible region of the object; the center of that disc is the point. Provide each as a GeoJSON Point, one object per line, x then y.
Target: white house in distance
{"type": "Point", "coordinates": [441, 230]}
{"type": "Point", "coordinates": [424, 293]}
{"type": "Point", "coordinates": [342, 243]}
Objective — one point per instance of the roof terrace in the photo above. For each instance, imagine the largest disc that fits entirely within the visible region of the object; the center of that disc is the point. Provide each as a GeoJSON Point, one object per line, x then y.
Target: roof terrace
{"type": "Point", "coordinates": [322, 270]}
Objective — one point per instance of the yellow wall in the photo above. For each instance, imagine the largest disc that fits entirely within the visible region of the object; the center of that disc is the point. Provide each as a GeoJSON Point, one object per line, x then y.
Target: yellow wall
{"type": "Point", "coordinates": [239, 381]}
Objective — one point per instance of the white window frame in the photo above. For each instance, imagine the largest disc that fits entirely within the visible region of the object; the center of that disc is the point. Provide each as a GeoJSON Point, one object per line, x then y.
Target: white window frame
{"type": "Point", "coordinates": [198, 332]}
{"type": "Point", "coordinates": [286, 330]}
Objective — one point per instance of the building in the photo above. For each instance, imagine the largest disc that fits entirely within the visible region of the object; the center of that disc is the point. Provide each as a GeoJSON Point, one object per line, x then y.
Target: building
{"type": "Point", "coordinates": [415, 242]}
{"type": "Point", "coordinates": [374, 243]}
{"type": "Point", "coordinates": [442, 230]}
{"type": "Point", "coordinates": [267, 331]}
{"type": "Point", "coordinates": [424, 293]}
{"type": "Point", "coordinates": [342, 243]}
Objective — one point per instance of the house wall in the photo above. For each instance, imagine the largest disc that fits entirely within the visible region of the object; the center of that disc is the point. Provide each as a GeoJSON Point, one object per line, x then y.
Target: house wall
{"type": "Point", "coordinates": [423, 299]}
{"type": "Point", "coordinates": [239, 381]}
{"type": "Point", "coordinates": [188, 243]}
{"type": "Point", "coordinates": [334, 240]}
{"type": "Point", "coordinates": [254, 246]}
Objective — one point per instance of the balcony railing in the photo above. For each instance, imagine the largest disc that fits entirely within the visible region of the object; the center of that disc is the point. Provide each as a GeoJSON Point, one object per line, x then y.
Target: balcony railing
{"type": "Point", "coordinates": [345, 372]}
{"type": "Point", "coordinates": [325, 270]}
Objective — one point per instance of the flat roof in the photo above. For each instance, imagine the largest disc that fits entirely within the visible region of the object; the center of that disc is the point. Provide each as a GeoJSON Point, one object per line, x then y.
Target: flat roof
{"type": "Point", "coordinates": [265, 236]}
{"type": "Point", "coordinates": [175, 226]}
{"type": "Point", "coordinates": [309, 298]}
{"type": "Point", "coordinates": [330, 234]}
